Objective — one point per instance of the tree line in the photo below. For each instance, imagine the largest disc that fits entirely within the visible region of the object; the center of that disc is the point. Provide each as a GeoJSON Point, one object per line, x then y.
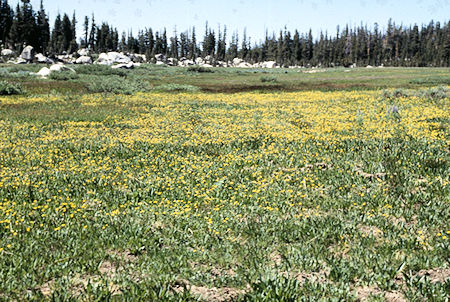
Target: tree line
{"type": "Point", "coordinates": [397, 45]}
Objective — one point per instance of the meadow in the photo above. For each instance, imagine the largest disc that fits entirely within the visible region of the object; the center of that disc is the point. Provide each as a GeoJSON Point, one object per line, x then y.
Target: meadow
{"type": "Point", "coordinates": [228, 185]}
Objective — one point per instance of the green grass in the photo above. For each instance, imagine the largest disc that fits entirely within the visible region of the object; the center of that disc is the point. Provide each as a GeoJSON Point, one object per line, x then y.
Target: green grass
{"type": "Point", "coordinates": [230, 80]}
{"type": "Point", "coordinates": [272, 217]}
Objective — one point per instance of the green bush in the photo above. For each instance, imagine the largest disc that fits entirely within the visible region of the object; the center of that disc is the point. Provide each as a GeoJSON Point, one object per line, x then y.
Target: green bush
{"type": "Point", "coordinates": [437, 93]}
{"type": "Point", "coordinates": [115, 85]}
{"type": "Point", "coordinates": [268, 79]}
{"type": "Point", "coordinates": [199, 69]}
{"type": "Point", "coordinates": [10, 89]}
{"type": "Point", "coordinates": [395, 94]}
{"type": "Point", "coordinates": [101, 70]}
{"type": "Point", "coordinates": [64, 75]}
{"type": "Point", "coordinates": [176, 88]}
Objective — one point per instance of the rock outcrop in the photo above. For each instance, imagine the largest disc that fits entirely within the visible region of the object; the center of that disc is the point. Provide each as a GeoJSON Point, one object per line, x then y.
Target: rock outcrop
{"type": "Point", "coordinates": [28, 53]}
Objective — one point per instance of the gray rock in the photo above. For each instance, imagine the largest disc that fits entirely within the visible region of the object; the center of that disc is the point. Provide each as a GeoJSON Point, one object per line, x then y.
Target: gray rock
{"type": "Point", "coordinates": [171, 62]}
{"type": "Point", "coordinates": [84, 60]}
{"type": "Point", "coordinates": [28, 53]}
{"type": "Point", "coordinates": [137, 58]}
{"type": "Point", "coordinates": [8, 53]}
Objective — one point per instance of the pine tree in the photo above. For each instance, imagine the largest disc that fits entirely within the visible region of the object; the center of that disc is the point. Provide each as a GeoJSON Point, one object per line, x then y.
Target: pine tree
{"type": "Point", "coordinates": [43, 30]}
{"type": "Point", "coordinates": [66, 32]}
{"type": "Point", "coordinates": [174, 44]}
{"type": "Point", "coordinates": [164, 42]}
{"type": "Point", "coordinates": [85, 41]}
{"type": "Point", "coordinates": [92, 34]}
{"type": "Point", "coordinates": [57, 43]}
{"type": "Point", "coordinates": [73, 47]}
{"type": "Point", "coordinates": [6, 21]}
{"type": "Point", "coordinates": [193, 50]}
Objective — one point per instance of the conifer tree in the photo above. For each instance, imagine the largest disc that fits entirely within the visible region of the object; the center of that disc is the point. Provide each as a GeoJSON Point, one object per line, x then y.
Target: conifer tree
{"type": "Point", "coordinates": [6, 20]}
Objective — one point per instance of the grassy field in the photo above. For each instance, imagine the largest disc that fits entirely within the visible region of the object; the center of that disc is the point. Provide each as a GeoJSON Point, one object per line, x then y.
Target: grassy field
{"type": "Point", "coordinates": [160, 184]}
{"type": "Point", "coordinates": [97, 78]}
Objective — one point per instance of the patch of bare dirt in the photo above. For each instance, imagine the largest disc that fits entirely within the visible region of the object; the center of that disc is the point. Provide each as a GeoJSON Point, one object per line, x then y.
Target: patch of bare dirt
{"type": "Point", "coordinates": [322, 166]}
{"type": "Point", "coordinates": [215, 271]}
{"type": "Point", "coordinates": [436, 275]}
{"type": "Point", "coordinates": [302, 277]}
{"type": "Point", "coordinates": [340, 251]}
{"type": "Point", "coordinates": [369, 176]}
{"type": "Point", "coordinates": [370, 231]}
{"type": "Point", "coordinates": [276, 258]}
{"type": "Point", "coordinates": [78, 283]}
{"type": "Point", "coordinates": [210, 294]}
{"type": "Point", "coordinates": [47, 288]}
{"type": "Point", "coordinates": [402, 220]}
{"type": "Point", "coordinates": [364, 294]}
{"type": "Point", "coordinates": [124, 255]}
{"type": "Point", "coordinates": [107, 269]}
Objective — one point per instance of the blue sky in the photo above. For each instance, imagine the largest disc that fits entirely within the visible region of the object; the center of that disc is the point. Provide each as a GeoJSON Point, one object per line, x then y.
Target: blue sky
{"type": "Point", "coordinates": [254, 15]}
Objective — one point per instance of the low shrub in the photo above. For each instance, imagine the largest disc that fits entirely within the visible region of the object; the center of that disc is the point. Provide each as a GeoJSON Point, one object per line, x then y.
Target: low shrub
{"type": "Point", "coordinates": [10, 89]}
{"type": "Point", "coordinates": [200, 69]}
{"type": "Point", "coordinates": [268, 79]}
{"type": "Point", "coordinates": [115, 85]}
{"type": "Point", "coordinates": [101, 70]}
{"type": "Point", "coordinates": [176, 88]}
{"type": "Point", "coordinates": [64, 75]}
{"type": "Point", "coordinates": [436, 93]}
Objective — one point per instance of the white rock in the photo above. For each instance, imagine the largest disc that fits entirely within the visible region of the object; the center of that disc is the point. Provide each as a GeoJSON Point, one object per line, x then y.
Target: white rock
{"type": "Point", "coordinates": [21, 61]}
{"type": "Point", "coordinates": [269, 64]}
{"type": "Point", "coordinates": [369, 66]}
{"type": "Point", "coordinates": [102, 57]}
{"type": "Point", "coordinates": [237, 61]}
{"type": "Point", "coordinates": [84, 60]}
{"type": "Point", "coordinates": [8, 53]}
{"type": "Point", "coordinates": [185, 62]}
{"type": "Point", "coordinates": [130, 65]}
{"type": "Point", "coordinates": [207, 65]}
{"type": "Point", "coordinates": [244, 65]}
{"type": "Point", "coordinates": [43, 59]}
{"type": "Point", "coordinates": [112, 57]}
{"type": "Point", "coordinates": [27, 53]}
{"type": "Point", "coordinates": [83, 52]}
{"type": "Point", "coordinates": [118, 57]}
{"type": "Point", "coordinates": [60, 67]}
{"type": "Point", "coordinates": [44, 72]}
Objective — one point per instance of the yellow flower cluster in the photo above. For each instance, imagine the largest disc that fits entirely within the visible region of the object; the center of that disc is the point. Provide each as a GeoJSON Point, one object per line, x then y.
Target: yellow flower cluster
{"type": "Point", "coordinates": [163, 153]}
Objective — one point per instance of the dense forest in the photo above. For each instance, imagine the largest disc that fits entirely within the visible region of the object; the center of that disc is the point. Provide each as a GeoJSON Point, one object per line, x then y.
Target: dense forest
{"type": "Point", "coordinates": [397, 45]}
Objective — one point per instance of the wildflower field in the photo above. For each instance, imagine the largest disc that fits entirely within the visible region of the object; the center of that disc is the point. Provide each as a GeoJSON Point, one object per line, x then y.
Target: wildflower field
{"type": "Point", "coordinates": [281, 196]}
